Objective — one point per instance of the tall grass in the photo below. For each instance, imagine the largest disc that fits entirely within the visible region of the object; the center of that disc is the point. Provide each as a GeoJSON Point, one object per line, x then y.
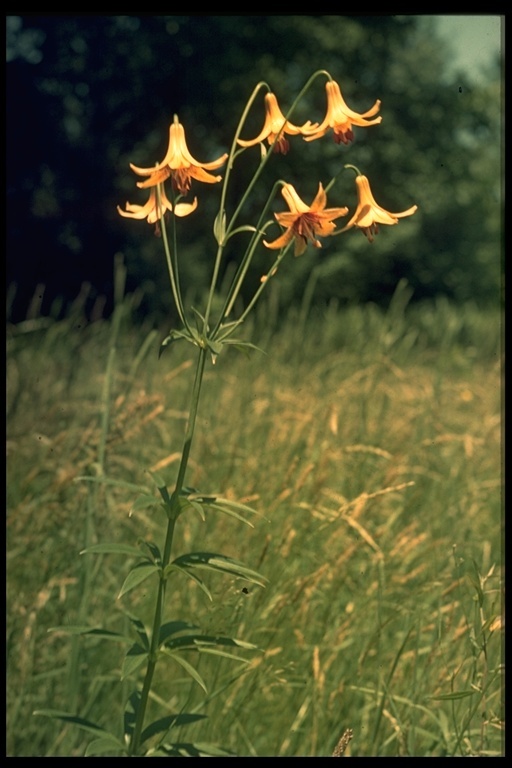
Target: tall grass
{"type": "Point", "coordinates": [371, 443]}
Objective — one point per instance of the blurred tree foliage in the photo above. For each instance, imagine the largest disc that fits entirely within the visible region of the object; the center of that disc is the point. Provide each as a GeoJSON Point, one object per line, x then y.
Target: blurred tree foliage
{"type": "Point", "coordinates": [88, 94]}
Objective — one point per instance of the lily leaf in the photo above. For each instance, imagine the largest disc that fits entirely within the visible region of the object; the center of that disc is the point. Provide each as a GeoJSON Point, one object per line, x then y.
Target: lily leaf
{"type": "Point", "coordinates": [207, 642]}
{"type": "Point", "coordinates": [166, 723]}
{"type": "Point", "coordinates": [112, 549]}
{"type": "Point", "coordinates": [155, 554]}
{"type": "Point", "coordinates": [135, 657]}
{"type": "Point", "coordinates": [191, 749]}
{"type": "Point", "coordinates": [245, 228]}
{"type": "Point", "coordinates": [184, 503]}
{"type": "Point", "coordinates": [143, 502]}
{"type": "Point", "coordinates": [200, 583]}
{"type": "Point", "coordinates": [173, 336]}
{"type": "Point", "coordinates": [219, 227]}
{"type": "Point", "coordinates": [80, 722]}
{"type": "Point", "coordinates": [140, 630]}
{"type": "Point", "coordinates": [172, 628]}
{"type": "Point", "coordinates": [221, 563]}
{"type": "Point", "coordinates": [243, 346]}
{"type": "Point", "coordinates": [137, 575]}
{"type": "Point", "coordinates": [215, 346]}
{"type": "Point", "coordinates": [104, 745]}
{"type": "Point", "coordinates": [108, 481]}
{"type": "Point", "coordinates": [103, 634]}
{"type": "Point", "coordinates": [228, 507]}
{"type": "Point", "coordinates": [187, 666]}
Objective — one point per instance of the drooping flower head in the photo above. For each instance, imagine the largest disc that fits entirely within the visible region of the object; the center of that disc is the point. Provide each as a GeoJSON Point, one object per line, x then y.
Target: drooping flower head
{"type": "Point", "coordinates": [305, 222]}
{"type": "Point", "coordinates": [179, 164]}
{"type": "Point", "coordinates": [340, 117]}
{"type": "Point", "coordinates": [369, 214]}
{"type": "Point", "coordinates": [275, 127]}
{"type": "Point", "coordinates": [152, 211]}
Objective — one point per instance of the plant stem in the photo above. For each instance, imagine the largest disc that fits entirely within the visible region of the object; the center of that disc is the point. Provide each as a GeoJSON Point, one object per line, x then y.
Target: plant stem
{"type": "Point", "coordinates": [173, 512]}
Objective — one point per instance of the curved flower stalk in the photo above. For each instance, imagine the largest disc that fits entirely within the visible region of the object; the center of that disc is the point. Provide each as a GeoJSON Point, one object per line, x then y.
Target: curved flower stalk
{"type": "Point", "coordinates": [340, 117]}
{"type": "Point", "coordinates": [275, 128]}
{"type": "Point", "coordinates": [305, 222]}
{"type": "Point", "coordinates": [179, 164]}
{"type": "Point", "coordinates": [369, 214]}
{"type": "Point", "coordinates": [153, 211]}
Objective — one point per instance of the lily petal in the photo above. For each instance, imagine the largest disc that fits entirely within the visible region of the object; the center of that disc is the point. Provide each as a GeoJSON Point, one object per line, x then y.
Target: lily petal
{"type": "Point", "coordinates": [340, 117]}
{"type": "Point", "coordinates": [369, 213]}
{"type": "Point", "coordinates": [305, 222]}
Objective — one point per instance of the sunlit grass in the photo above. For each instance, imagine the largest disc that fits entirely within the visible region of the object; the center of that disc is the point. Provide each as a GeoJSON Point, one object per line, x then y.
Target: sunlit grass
{"type": "Point", "coordinates": [369, 442]}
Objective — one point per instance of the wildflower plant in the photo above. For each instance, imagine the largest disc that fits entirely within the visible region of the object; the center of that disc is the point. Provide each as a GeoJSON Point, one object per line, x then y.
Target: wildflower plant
{"type": "Point", "coordinates": [175, 190]}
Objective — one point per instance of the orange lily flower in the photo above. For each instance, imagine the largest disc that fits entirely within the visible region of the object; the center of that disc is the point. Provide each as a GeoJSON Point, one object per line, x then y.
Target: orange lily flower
{"type": "Point", "coordinates": [150, 209]}
{"type": "Point", "coordinates": [305, 222]}
{"type": "Point", "coordinates": [369, 214]}
{"type": "Point", "coordinates": [179, 164]}
{"type": "Point", "coordinates": [275, 127]}
{"type": "Point", "coordinates": [340, 117]}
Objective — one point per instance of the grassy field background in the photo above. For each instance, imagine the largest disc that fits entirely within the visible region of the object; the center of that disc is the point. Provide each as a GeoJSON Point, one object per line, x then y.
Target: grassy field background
{"type": "Point", "coordinates": [369, 440]}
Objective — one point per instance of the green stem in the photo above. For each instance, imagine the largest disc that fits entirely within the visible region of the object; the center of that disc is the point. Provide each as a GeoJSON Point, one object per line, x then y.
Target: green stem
{"type": "Point", "coordinates": [260, 289]}
{"type": "Point", "coordinates": [264, 161]}
{"type": "Point", "coordinates": [244, 264]}
{"type": "Point", "coordinates": [233, 152]}
{"type": "Point", "coordinates": [171, 263]}
{"type": "Point", "coordinates": [173, 511]}
{"type": "Point", "coordinates": [222, 207]}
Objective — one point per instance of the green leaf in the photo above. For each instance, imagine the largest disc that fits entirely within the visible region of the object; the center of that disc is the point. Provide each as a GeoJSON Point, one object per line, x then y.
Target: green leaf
{"type": "Point", "coordinates": [154, 551]}
{"type": "Point", "coordinates": [135, 657]}
{"type": "Point", "coordinates": [80, 722]}
{"type": "Point", "coordinates": [215, 346]}
{"type": "Point", "coordinates": [221, 563]}
{"type": "Point", "coordinates": [197, 338]}
{"type": "Point", "coordinates": [108, 481]}
{"type": "Point", "coordinates": [172, 628]}
{"type": "Point", "coordinates": [201, 642]}
{"type": "Point", "coordinates": [166, 723]}
{"type": "Point", "coordinates": [192, 749]}
{"type": "Point", "coordinates": [140, 630]}
{"type": "Point", "coordinates": [243, 346]}
{"type": "Point", "coordinates": [103, 745]}
{"type": "Point", "coordinates": [187, 666]}
{"type": "Point", "coordinates": [130, 713]}
{"type": "Point", "coordinates": [184, 504]}
{"type": "Point", "coordinates": [104, 634]}
{"type": "Point", "coordinates": [158, 480]}
{"type": "Point", "coordinates": [245, 228]}
{"type": "Point", "coordinates": [225, 654]}
{"type": "Point", "coordinates": [137, 575]}
{"type": "Point", "coordinates": [175, 336]}
{"type": "Point", "coordinates": [198, 315]}
{"type": "Point", "coordinates": [452, 696]}
{"type": "Point", "coordinates": [230, 513]}
{"type": "Point", "coordinates": [219, 227]}
{"type": "Point", "coordinates": [112, 549]}
{"type": "Point", "coordinates": [200, 583]}
{"type": "Point", "coordinates": [228, 507]}
{"type": "Point", "coordinates": [143, 502]}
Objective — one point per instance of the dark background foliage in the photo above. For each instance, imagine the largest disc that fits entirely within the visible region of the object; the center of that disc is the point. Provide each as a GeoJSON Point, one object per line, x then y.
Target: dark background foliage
{"type": "Point", "coordinates": [88, 94]}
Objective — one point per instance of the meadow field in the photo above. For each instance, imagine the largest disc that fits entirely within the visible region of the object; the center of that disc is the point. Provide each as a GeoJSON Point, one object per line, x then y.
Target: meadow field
{"type": "Point", "coordinates": [370, 442]}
